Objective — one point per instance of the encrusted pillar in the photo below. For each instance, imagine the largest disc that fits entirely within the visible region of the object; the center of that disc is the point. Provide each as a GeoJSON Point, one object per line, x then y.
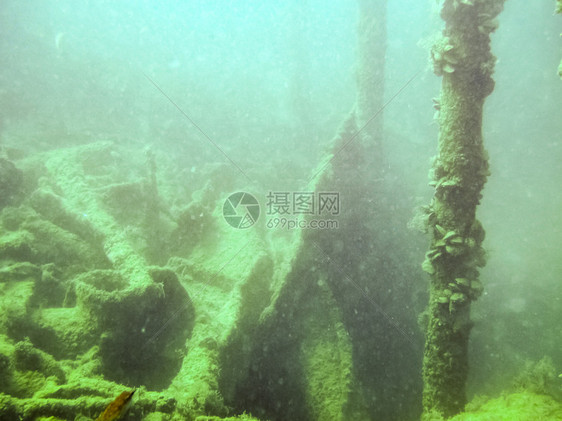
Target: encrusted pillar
{"type": "Point", "coordinates": [462, 57]}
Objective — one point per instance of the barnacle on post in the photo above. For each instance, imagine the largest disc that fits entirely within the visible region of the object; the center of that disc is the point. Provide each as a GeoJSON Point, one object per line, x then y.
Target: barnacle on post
{"type": "Point", "coordinates": [449, 54]}
{"type": "Point", "coordinates": [443, 300]}
{"type": "Point", "coordinates": [476, 289]}
{"type": "Point", "coordinates": [458, 296]}
{"type": "Point", "coordinates": [433, 254]}
{"type": "Point", "coordinates": [455, 249]}
{"type": "Point", "coordinates": [436, 103]}
{"type": "Point", "coordinates": [450, 242]}
{"type": "Point", "coordinates": [444, 57]}
{"type": "Point", "coordinates": [440, 230]}
{"type": "Point", "coordinates": [447, 68]}
{"type": "Point", "coordinates": [488, 26]}
{"type": "Point", "coordinates": [427, 266]}
{"type": "Point", "coordinates": [462, 282]}
{"type": "Point", "coordinates": [477, 231]}
{"type": "Point", "coordinates": [450, 235]}
{"type": "Point", "coordinates": [445, 296]}
{"type": "Point", "coordinates": [445, 182]}
{"type": "Point", "coordinates": [479, 256]}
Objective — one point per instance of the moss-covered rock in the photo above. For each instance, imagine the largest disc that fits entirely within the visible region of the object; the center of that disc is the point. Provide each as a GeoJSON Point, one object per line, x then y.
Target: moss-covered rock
{"type": "Point", "coordinates": [64, 332]}
{"type": "Point", "coordinates": [20, 271]}
{"type": "Point", "coordinates": [11, 179]}
{"type": "Point", "coordinates": [521, 406]}
{"type": "Point", "coordinates": [18, 246]}
{"type": "Point", "coordinates": [142, 330]}
{"type": "Point", "coordinates": [243, 417]}
{"type": "Point", "coordinates": [6, 365]}
{"type": "Point", "coordinates": [29, 358]}
{"type": "Point", "coordinates": [15, 299]}
{"type": "Point", "coordinates": [539, 378]}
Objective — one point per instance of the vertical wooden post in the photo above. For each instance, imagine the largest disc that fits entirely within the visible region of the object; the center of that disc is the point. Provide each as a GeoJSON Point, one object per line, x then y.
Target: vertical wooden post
{"type": "Point", "coordinates": [463, 58]}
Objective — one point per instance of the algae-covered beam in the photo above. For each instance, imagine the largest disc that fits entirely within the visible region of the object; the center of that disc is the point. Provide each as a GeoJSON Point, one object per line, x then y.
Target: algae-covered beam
{"type": "Point", "coordinates": [559, 10]}
{"type": "Point", "coordinates": [371, 49]}
{"type": "Point", "coordinates": [463, 58]}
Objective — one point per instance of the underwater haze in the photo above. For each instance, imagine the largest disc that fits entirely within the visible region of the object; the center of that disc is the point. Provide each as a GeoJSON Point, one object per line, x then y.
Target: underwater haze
{"type": "Point", "coordinates": [222, 210]}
